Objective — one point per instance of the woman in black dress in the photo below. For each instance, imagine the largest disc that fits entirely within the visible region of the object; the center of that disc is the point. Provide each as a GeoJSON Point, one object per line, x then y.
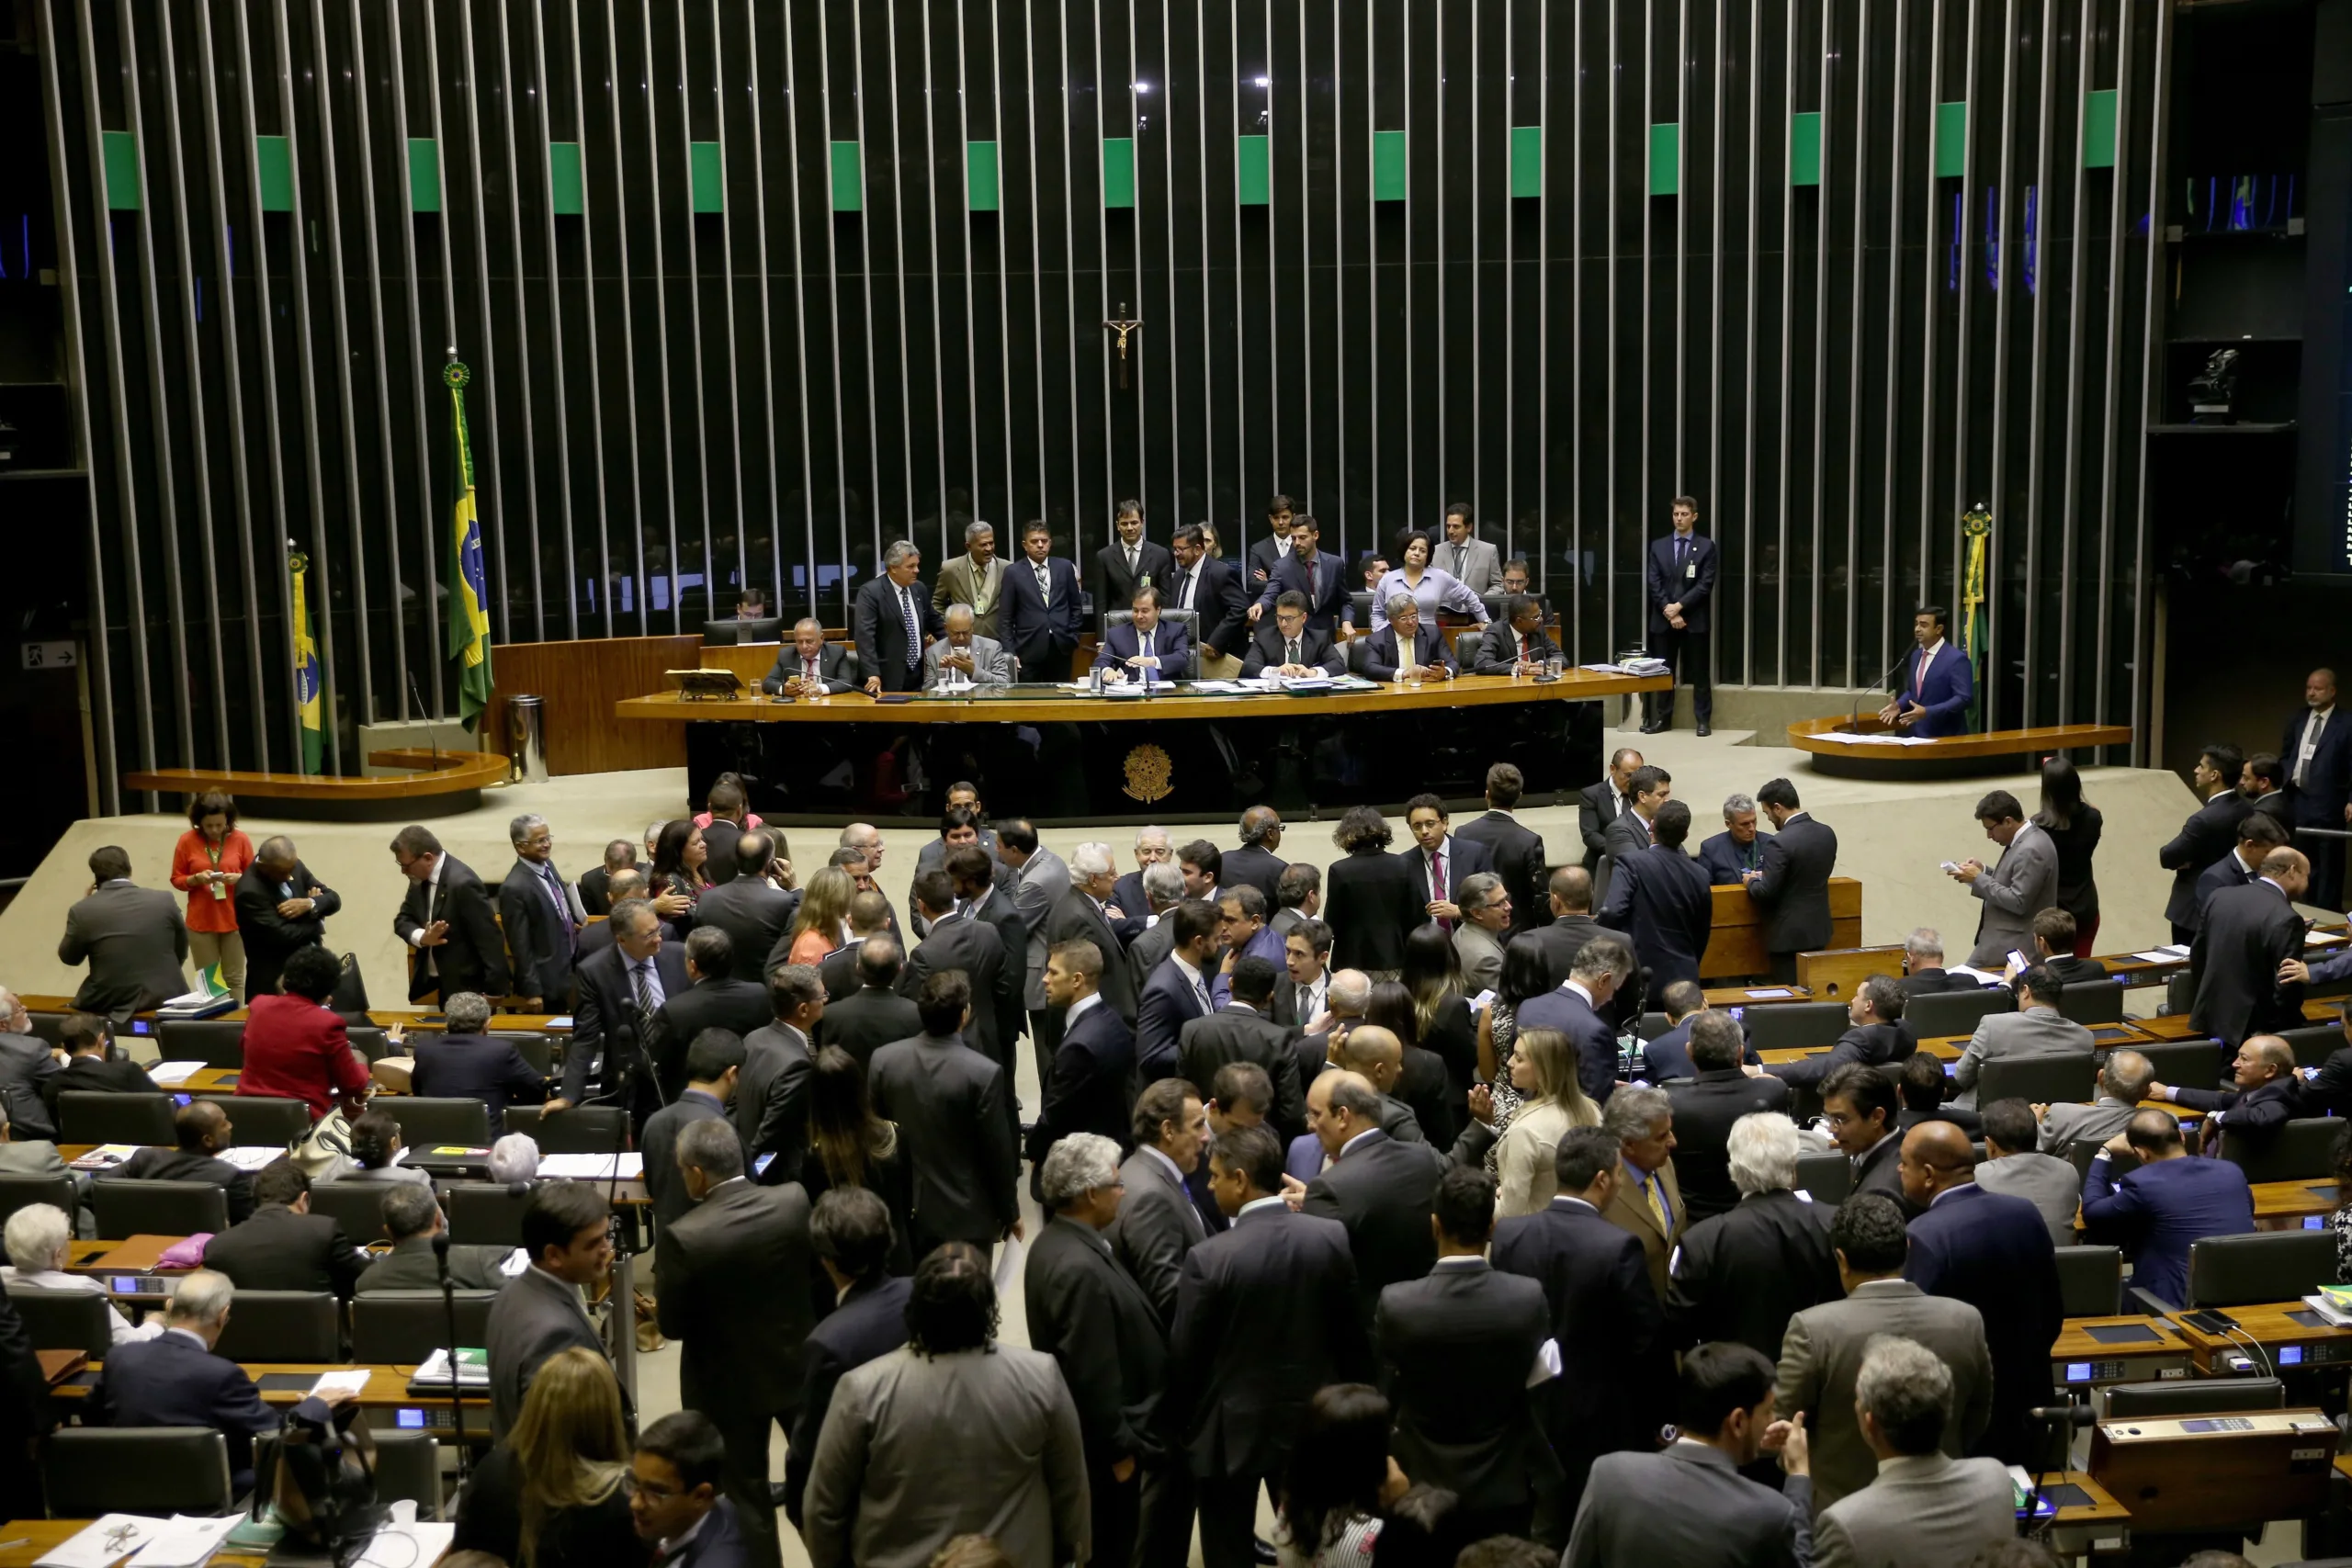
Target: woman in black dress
{"type": "Point", "coordinates": [2073, 826]}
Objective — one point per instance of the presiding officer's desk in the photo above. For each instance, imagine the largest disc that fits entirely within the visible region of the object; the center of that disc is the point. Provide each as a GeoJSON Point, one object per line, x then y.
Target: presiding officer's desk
{"type": "Point", "coordinates": [1841, 748]}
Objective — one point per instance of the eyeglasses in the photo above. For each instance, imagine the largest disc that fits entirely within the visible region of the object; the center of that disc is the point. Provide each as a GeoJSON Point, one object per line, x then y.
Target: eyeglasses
{"type": "Point", "coordinates": [653, 1492]}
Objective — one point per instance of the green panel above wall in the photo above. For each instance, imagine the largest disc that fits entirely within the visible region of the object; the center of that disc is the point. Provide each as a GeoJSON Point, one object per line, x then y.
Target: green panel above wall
{"type": "Point", "coordinates": [980, 176]}
{"type": "Point", "coordinates": [1253, 170]}
{"type": "Point", "coordinates": [275, 159]}
{"type": "Point", "coordinates": [707, 167]}
{"type": "Point", "coordinates": [123, 170]}
{"type": "Point", "coordinates": [2098, 130]}
{"type": "Point", "coordinates": [1118, 171]}
{"type": "Point", "coordinates": [849, 183]}
{"type": "Point", "coordinates": [425, 174]}
{"type": "Point", "coordinates": [1526, 160]}
{"type": "Point", "coordinates": [1388, 166]}
{"type": "Point", "coordinates": [567, 193]}
{"type": "Point", "coordinates": [1804, 149]}
{"type": "Point", "coordinates": [1952, 140]}
{"type": "Point", "coordinates": [1665, 160]}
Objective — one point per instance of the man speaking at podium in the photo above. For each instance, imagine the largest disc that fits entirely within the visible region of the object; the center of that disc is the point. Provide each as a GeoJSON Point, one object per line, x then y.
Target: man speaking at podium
{"type": "Point", "coordinates": [1938, 684]}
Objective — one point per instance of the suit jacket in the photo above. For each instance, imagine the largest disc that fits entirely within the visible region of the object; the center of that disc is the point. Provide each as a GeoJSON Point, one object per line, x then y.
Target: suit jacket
{"type": "Point", "coordinates": [1041, 636]}
{"type": "Point", "coordinates": [2000, 1036]}
{"type": "Point", "coordinates": [2209, 835]}
{"type": "Point", "coordinates": [1168, 1003]}
{"type": "Point", "coordinates": [541, 949]}
{"type": "Point", "coordinates": [1691, 585]}
{"type": "Point", "coordinates": [1689, 1506]}
{"type": "Point", "coordinates": [978, 948]}
{"type": "Point", "coordinates": [1516, 854]}
{"type": "Point", "coordinates": [1822, 1355]}
{"type": "Point", "coordinates": [1266, 1312]}
{"type": "Point", "coordinates": [1238, 1033]}
{"type": "Point", "coordinates": [1950, 686]}
{"type": "Point", "coordinates": [719, 1001]}
{"type": "Point", "coordinates": [948, 1100]}
{"type": "Point", "coordinates": [1369, 903]}
{"type": "Point", "coordinates": [1476, 564]}
{"type": "Point", "coordinates": [1086, 1090]}
{"type": "Point", "coordinates": [1114, 585]}
{"type": "Point", "coordinates": [1723, 861]}
{"type": "Point", "coordinates": [770, 1109]}
{"type": "Point", "coordinates": [2024, 884]}
{"type": "Point", "coordinates": [755, 915]}
{"type": "Point", "coordinates": [1000, 1419]}
{"type": "Point", "coordinates": [1170, 642]}
{"type": "Point", "coordinates": [269, 936]}
{"type": "Point", "coordinates": [1326, 586]}
{"type": "Point", "coordinates": [474, 1066]}
{"type": "Point", "coordinates": [2044, 1180]}
{"type": "Point", "coordinates": [866, 1019]}
{"type": "Point", "coordinates": [1873, 1045]}
{"type": "Point", "coordinates": [1565, 938]}
{"type": "Point", "coordinates": [1705, 1106]}
{"type": "Point", "coordinates": [1598, 806]}
{"type": "Point", "coordinates": [1156, 1226]}
{"type": "Point", "coordinates": [27, 1072]}
{"type": "Point", "coordinates": [30, 1156]}
{"type": "Point", "coordinates": [1381, 1190]}
{"type": "Point", "coordinates": [1076, 914]}
{"type": "Point", "coordinates": [2227, 871]}
{"type": "Point", "coordinates": [1464, 857]}
{"type": "Point", "coordinates": [473, 958]}
{"type": "Point", "coordinates": [1250, 866]}
{"type": "Point", "coordinates": [879, 627]}
{"type": "Point", "coordinates": [606, 1012]}
{"type": "Point", "coordinates": [737, 1282]}
{"type": "Point", "coordinates": [719, 1543]}
{"type": "Point", "coordinates": [279, 1249]}
{"type": "Point", "coordinates": [173, 1381]}
{"type": "Point", "coordinates": [1993, 1253]}
{"type": "Point", "coordinates": [1454, 1349]}
{"type": "Point", "coordinates": [1616, 1367]}
{"type": "Point", "coordinates": [2092, 1123]}
{"type": "Point", "coordinates": [155, 1164]}
{"type": "Point", "coordinates": [1148, 952]}
{"type": "Point", "coordinates": [1743, 1274]}
{"type": "Point", "coordinates": [1383, 658]}
{"type": "Point", "coordinates": [833, 672]}
{"type": "Point", "coordinates": [1661, 896]}
{"type": "Point", "coordinates": [2319, 799]}
{"type": "Point", "coordinates": [1314, 649]}
{"type": "Point", "coordinates": [991, 665]}
{"type": "Point", "coordinates": [663, 1181]}
{"type": "Point", "coordinates": [1588, 1032]}
{"type": "Point", "coordinates": [1480, 955]}
{"type": "Point", "coordinates": [95, 1075]}
{"type": "Point", "coordinates": [2158, 1211]}
{"type": "Point", "coordinates": [2246, 934]}
{"type": "Point", "coordinates": [1929, 1510]}
{"type": "Point", "coordinates": [1220, 601]}
{"type": "Point", "coordinates": [535, 1315]}
{"type": "Point", "coordinates": [1037, 886]}
{"type": "Point", "coordinates": [1499, 649]}
{"type": "Point", "coordinates": [134, 939]}
{"type": "Point", "coordinates": [1093, 1319]}
{"type": "Point", "coordinates": [1794, 887]}
{"type": "Point", "coordinates": [1667, 1057]}
{"type": "Point", "coordinates": [1630, 1211]}
{"type": "Point", "coordinates": [1934, 982]}
{"type": "Point", "coordinates": [838, 972]}
{"type": "Point", "coordinates": [871, 1321]}
{"type": "Point", "coordinates": [411, 1266]}
{"type": "Point", "coordinates": [961, 583]}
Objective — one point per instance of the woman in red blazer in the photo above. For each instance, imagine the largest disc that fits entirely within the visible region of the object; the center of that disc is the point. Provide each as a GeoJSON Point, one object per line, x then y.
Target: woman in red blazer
{"type": "Point", "coordinates": [296, 1049]}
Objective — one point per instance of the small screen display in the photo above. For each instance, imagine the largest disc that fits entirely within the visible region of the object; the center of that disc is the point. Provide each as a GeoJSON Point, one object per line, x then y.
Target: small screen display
{"type": "Point", "coordinates": [131, 1285]}
{"type": "Point", "coordinates": [2291, 1355]}
{"type": "Point", "coordinates": [2078, 1371]}
{"type": "Point", "coordinates": [139, 1026]}
{"type": "Point", "coordinates": [179, 1099]}
{"type": "Point", "coordinates": [410, 1420]}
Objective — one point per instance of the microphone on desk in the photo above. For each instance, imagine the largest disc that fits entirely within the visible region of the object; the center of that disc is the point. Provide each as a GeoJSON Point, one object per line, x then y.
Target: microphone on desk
{"type": "Point", "coordinates": [1854, 720]}
{"type": "Point", "coordinates": [2067, 1415]}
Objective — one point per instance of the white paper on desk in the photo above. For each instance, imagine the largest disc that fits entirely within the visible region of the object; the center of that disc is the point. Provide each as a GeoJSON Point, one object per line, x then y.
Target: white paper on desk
{"type": "Point", "coordinates": [99, 1542]}
{"type": "Point", "coordinates": [561, 1021]}
{"type": "Point", "coordinates": [407, 1546]}
{"type": "Point", "coordinates": [169, 1074]}
{"type": "Point", "coordinates": [252, 1157]}
{"type": "Point", "coordinates": [1008, 1264]}
{"type": "Point", "coordinates": [592, 1168]}
{"type": "Point", "coordinates": [186, 1542]}
{"type": "Point", "coordinates": [1602, 669]}
{"type": "Point", "coordinates": [2162, 956]}
{"type": "Point", "coordinates": [1222, 688]}
{"type": "Point", "coordinates": [355, 1381]}
{"type": "Point", "coordinates": [2322, 939]}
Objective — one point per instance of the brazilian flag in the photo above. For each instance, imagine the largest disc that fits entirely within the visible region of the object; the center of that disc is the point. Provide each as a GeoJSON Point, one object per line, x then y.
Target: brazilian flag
{"type": "Point", "coordinates": [1976, 537]}
{"type": "Point", "coordinates": [306, 667]}
{"type": "Point", "coordinates": [468, 584]}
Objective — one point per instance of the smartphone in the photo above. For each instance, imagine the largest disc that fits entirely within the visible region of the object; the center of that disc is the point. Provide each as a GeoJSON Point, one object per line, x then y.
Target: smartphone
{"type": "Point", "coordinates": [2209, 1322]}
{"type": "Point", "coordinates": [132, 1285]}
{"type": "Point", "coordinates": [759, 1165]}
{"type": "Point", "coordinates": [184, 1099]}
{"type": "Point", "coordinates": [2019, 959]}
{"type": "Point", "coordinates": [1950, 866]}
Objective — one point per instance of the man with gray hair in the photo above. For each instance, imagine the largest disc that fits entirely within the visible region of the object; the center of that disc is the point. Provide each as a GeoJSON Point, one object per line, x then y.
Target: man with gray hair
{"type": "Point", "coordinates": [974, 579]}
{"type": "Point", "coordinates": [463, 1061]}
{"type": "Point", "coordinates": [1923, 967]}
{"type": "Point", "coordinates": [962, 659]}
{"type": "Point", "coordinates": [1580, 1008]}
{"type": "Point", "coordinates": [1649, 1201]}
{"type": "Point", "coordinates": [1923, 1509]}
{"type": "Point", "coordinates": [1742, 1275]}
{"type": "Point", "coordinates": [1090, 1315]}
{"type": "Point", "coordinates": [514, 1159]}
{"type": "Point", "coordinates": [1381, 1189]}
{"type": "Point", "coordinates": [1152, 847]}
{"type": "Point", "coordinates": [1729, 856]}
{"type": "Point", "coordinates": [807, 665]}
{"type": "Point", "coordinates": [541, 916]}
{"type": "Point", "coordinates": [1710, 1099]}
{"type": "Point", "coordinates": [891, 620]}
{"type": "Point", "coordinates": [2122, 1083]}
{"type": "Point", "coordinates": [1163, 890]}
{"type": "Point", "coordinates": [175, 1380]}
{"type": "Point", "coordinates": [1485, 926]}
{"type": "Point", "coordinates": [1083, 913]}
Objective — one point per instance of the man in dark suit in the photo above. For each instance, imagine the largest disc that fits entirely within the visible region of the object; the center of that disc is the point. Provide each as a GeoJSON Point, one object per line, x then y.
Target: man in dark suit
{"type": "Point", "coordinates": [2263, 780]}
{"type": "Point", "coordinates": [621, 989]}
{"type": "Point", "coordinates": [1080, 913]}
{"type": "Point", "coordinates": [1405, 649]}
{"type": "Point", "coordinates": [1742, 1274]}
{"type": "Point", "coordinates": [466, 1064]}
{"type": "Point", "coordinates": [596, 936]}
{"type": "Point", "coordinates": [1158, 1222]}
{"type": "Point", "coordinates": [1200, 582]}
{"type": "Point", "coordinates": [2249, 935]}
{"type": "Point", "coordinates": [976, 948]}
{"type": "Point", "coordinates": [1707, 1106]}
{"type": "Point", "coordinates": [446, 915]}
{"type": "Point", "coordinates": [1458, 1348]}
{"type": "Point", "coordinates": [2243, 1121]}
{"type": "Point", "coordinates": [751, 908]}
{"type": "Point", "coordinates": [2258, 833]}
{"type": "Point", "coordinates": [595, 885]}
{"type": "Point", "coordinates": [1438, 859]}
{"type": "Point", "coordinates": [1862, 1111]}
{"type": "Point", "coordinates": [2054, 949]}
{"type": "Point", "coordinates": [1320, 579]}
{"type": "Point", "coordinates": [1681, 580]}
{"type": "Point", "coordinates": [726, 806]}
{"type": "Point", "coordinates": [2157, 1211]}
{"type": "Point", "coordinates": [1145, 644]}
{"type": "Point", "coordinates": [2207, 835]}
{"type": "Point", "coordinates": [1874, 1037]}
{"type": "Point", "coordinates": [1515, 854]}
{"type": "Point", "coordinates": [714, 1070]}
{"type": "Point", "coordinates": [1661, 896]}
{"type": "Point", "coordinates": [1923, 967]}
{"type": "Point", "coordinates": [175, 1380]}
{"type": "Point", "coordinates": [1254, 863]}
{"type": "Point", "coordinates": [979, 895]}
{"type": "Point", "coordinates": [411, 1221]}
{"type": "Point", "coordinates": [680, 1465]}
{"type": "Point", "coordinates": [736, 1288]}
{"type": "Point", "coordinates": [1515, 640]}
{"type": "Point", "coordinates": [1380, 1189]}
{"type": "Point", "coordinates": [1993, 1252]}
{"type": "Point", "coordinates": [948, 1101]}
{"type": "Point", "coordinates": [2318, 754]}
{"type": "Point", "coordinates": [1127, 563]}
{"type": "Point", "coordinates": [1605, 1318]}
{"type": "Point", "coordinates": [88, 1070]}
{"type": "Point", "coordinates": [1290, 646]}
{"type": "Point", "coordinates": [1933, 694]}
{"type": "Point", "coordinates": [1244, 1031]}
{"type": "Point", "coordinates": [850, 1231]}
{"type": "Point", "coordinates": [280, 906]}
{"type": "Point", "coordinates": [892, 621]}
{"type": "Point", "coordinates": [1090, 1314]}
{"type": "Point", "coordinates": [1178, 991]}
{"type": "Point", "coordinates": [1667, 1057]}
{"type": "Point", "coordinates": [1040, 614]}
{"type": "Point", "coordinates": [1599, 805]}
{"type": "Point", "coordinates": [1579, 1008]}
{"type": "Point", "coordinates": [283, 1246]}
{"type": "Point", "coordinates": [809, 666]}
{"type": "Point", "coordinates": [201, 1130]}
{"type": "Point", "coordinates": [567, 1236]}
{"type": "Point", "coordinates": [716, 1000]}
{"type": "Point", "coordinates": [541, 918]}
{"type": "Point", "coordinates": [875, 1014]}
{"type": "Point", "coordinates": [1086, 1090]}
{"type": "Point", "coordinates": [134, 940]}
{"type": "Point", "coordinates": [1793, 886]}
{"type": "Point", "coordinates": [771, 1111]}
{"type": "Point", "coordinates": [1267, 1314]}
{"type": "Point", "coordinates": [869, 915]}
{"type": "Point", "coordinates": [1571, 926]}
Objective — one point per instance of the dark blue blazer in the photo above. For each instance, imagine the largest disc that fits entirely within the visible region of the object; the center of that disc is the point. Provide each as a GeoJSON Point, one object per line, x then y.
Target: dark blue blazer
{"type": "Point", "coordinates": [1723, 860]}
{"type": "Point", "coordinates": [1304, 1158]}
{"type": "Point", "coordinates": [1668, 1055]}
{"type": "Point", "coordinates": [870, 1323]}
{"type": "Point", "coordinates": [1993, 1252]}
{"type": "Point", "coordinates": [1034, 632]}
{"type": "Point", "coordinates": [1617, 1369]}
{"type": "Point", "coordinates": [1668, 586]}
{"type": "Point", "coordinates": [1086, 1090]}
{"type": "Point", "coordinates": [1222, 604]}
{"type": "Point", "coordinates": [719, 1544]}
{"type": "Point", "coordinates": [172, 1380]}
{"type": "Point", "coordinates": [2319, 800]}
{"type": "Point", "coordinates": [608, 1002]}
{"type": "Point", "coordinates": [1121, 644]}
{"type": "Point", "coordinates": [1661, 899]}
{"type": "Point", "coordinates": [1951, 686]}
{"type": "Point", "coordinates": [1327, 601]}
{"type": "Point", "coordinates": [474, 1066]}
{"type": "Point", "coordinates": [880, 631]}
{"type": "Point", "coordinates": [2156, 1212]}
{"type": "Point", "coordinates": [1379, 655]}
{"type": "Point", "coordinates": [1166, 1006]}
{"type": "Point", "coordinates": [1596, 1042]}
{"type": "Point", "coordinates": [1267, 945]}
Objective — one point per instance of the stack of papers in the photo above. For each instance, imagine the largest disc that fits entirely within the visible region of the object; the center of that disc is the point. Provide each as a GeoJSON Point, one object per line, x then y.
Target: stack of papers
{"type": "Point", "coordinates": [105, 1156]}
{"type": "Point", "coordinates": [171, 1075]}
{"type": "Point", "coordinates": [1844, 738]}
{"type": "Point", "coordinates": [180, 1541]}
{"type": "Point", "coordinates": [2322, 939]}
{"type": "Point", "coordinates": [592, 1168]}
{"type": "Point", "coordinates": [2175, 953]}
{"type": "Point", "coordinates": [2333, 1304]}
{"type": "Point", "coordinates": [353, 1382]}
{"type": "Point", "coordinates": [246, 1156]}
{"type": "Point", "coordinates": [473, 1370]}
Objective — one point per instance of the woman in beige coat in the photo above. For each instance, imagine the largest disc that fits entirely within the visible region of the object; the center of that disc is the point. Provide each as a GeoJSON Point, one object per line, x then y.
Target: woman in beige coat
{"type": "Point", "coordinates": [1543, 1071]}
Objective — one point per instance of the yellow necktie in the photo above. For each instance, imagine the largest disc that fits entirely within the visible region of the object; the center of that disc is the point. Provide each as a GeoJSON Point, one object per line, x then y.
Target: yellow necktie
{"type": "Point", "coordinates": [1657, 1206]}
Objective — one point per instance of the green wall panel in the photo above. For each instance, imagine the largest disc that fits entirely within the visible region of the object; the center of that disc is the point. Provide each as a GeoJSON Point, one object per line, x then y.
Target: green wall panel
{"type": "Point", "coordinates": [706, 165]}
{"type": "Point", "coordinates": [425, 174]}
{"type": "Point", "coordinates": [980, 175]}
{"type": "Point", "coordinates": [1665, 160]}
{"type": "Point", "coordinates": [1388, 166]}
{"type": "Point", "coordinates": [1118, 171]}
{"type": "Point", "coordinates": [1254, 171]}
{"type": "Point", "coordinates": [1804, 149]}
{"type": "Point", "coordinates": [849, 182]}
{"type": "Point", "coordinates": [122, 171]}
{"type": "Point", "coordinates": [1952, 140]}
{"type": "Point", "coordinates": [566, 192]}
{"type": "Point", "coordinates": [276, 160]}
{"type": "Point", "coordinates": [1526, 160]}
{"type": "Point", "coordinates": [2098, 130]}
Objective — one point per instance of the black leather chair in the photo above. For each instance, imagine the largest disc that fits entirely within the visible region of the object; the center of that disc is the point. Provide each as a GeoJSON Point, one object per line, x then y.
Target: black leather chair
{"type": "Point", "coordinates": [150, 1471]}
{"type": "Point", "coordinates": [2260, 1266]}
{"type": "Point", "coordinates": [2038, 1080]}
{"type": "Point", "coordinates": [1941, 1013]}
{"type": "Point", "coordinates": [1465, 649]}
{"type": "Point", "coordinates": [464, 1122]}
{"type": "Point", "coordinates": [582, 1129]}
{"type": "Point", "coordinates": [17, 1191]}
{"type": "Point", "coordinates": [1828, 1175]}
{"type": "Point", "coordinates": [125, 1209]}
{"type": "Point", "coordinates": [405, 1328]}
{"type": "Point", "coordinates": [2191, 1064]}
{"type": "Point", "coordinates": [485, 1214]}
{"type": "Point", "coordinates": [282, 1325]}
{"type": "Point", "coordinates": [64, 1320]}
{"type": "Point", "coordinates": [373, 1044]}
{"type": "Point", "coordinates": [1796, 1026]}
{"type": "Point", "coordinates": [215, 1041]}
{"type": "Point", "coordinates": [356, 1206]}
{"type": "Point", "coordinates": [408, 1465]}
{"type": "Point", "coordinates": [1651, 1025]}
{"type": "Point", "coordinates": [731, 634]}
{"type": "Point", "coordinates": [49, 1027]}
{"type": "Point", "coordinates": [1189, 619]}
{"type": "Point", "coordinates": [2302, 1150]}
{"type": "Point", "coordinates": [84, 1117]}
{"type": "Point", "coordinates": [263, 1122]}
{"type": "Point", "coordinates": [536, 1049]}
{"type": "Point", "coordinates": [2090, 1281]}
{"type": "Point", "coordinates": [2092, 1001]}
{"type": "Point", "coordinates": [2314, 1044]}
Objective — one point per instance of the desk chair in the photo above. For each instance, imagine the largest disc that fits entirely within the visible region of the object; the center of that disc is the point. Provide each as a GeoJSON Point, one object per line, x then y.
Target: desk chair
{"type": "Point", "coordinates": [2193, 1396]}
{"type": "Point", "coordinates": [1954, 1012]}
{"type": "Point", "coordinates": [1189, 619]}
{"type": "Point", "coordinates": [153, 1471]}
{"type": "Point", "coordinates": [17, 1191]}
{"type": "Point", "coordinates": [1788, 1026]}
{"type": "Point", "coordinates": [49, 1028]}
{"type": "Point", "coordinates": [282, 1325]}
{"type": "Point", "coordinates": [2313, 1043]}
{"type": "Point", "coordinates": [2092, 1001]}
{"type": "Point", "coordinates": [1829, 1177]}
{"type": "Point", "coordinates": [536, 1048]}
{"type": "Point", "coordinates": [408, 1464]}
{"type": "Point", "coordinates": [262, 1119]}
{"type": "Point", "coordinates": [2302, 1150]}
{"type": "Point", "coordinates": [356, 1206]}
{"type": "Point", "coordinates": [733, 634]}
{"type": "Point", "coordinates": [2038, 1081]}
{"type": "Point", "coordinates": [2090, 1281]}
{"type": "Point", "coordinates": [84, 1117]}
{"type": "Point", "coordinates": [64, 1320]}
{"type": "Point", "coordinates": [2082, 1151]}
{"type": "Point", "coordinates": [582, 1129]}
{"type": "Point", "coordinates": [405, 1328]}
{"type": "Point", "coordinates": [462, 1122]}
{"type": "Point", "coordinates": [1651, 1025]}
{"type": "Point", "coordinates": [1466, 649]}
{"type": "Point", "coordinates": [2191, 1064]}
{"type": "Point", "coordinates": [2260, 1266]}
{"type": "Point", "coordinates": [485, 1214]}
{"type": "Point", "coordinates": [125, 1209]}
{"type": "Point", "coordinates": [215, 1041]}
{"type": "Point", "coordinates": [373, 1044]}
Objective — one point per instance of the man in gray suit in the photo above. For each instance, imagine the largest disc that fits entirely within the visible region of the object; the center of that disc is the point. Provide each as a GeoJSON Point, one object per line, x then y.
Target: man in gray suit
{"type": "Point", "coordinates": [1479, 938]}
{"type": "Point", "coordinates": [997, 1418]}
{"type": "Point", "coordinates": [2012, 1165]}
{"type": "Point", "coordinates": [133, 939]}
{"type": "Point", "coordinates": [2122, 1085]}
{"type": "Point", "coordinates": [964, 658]}
{"type": "Point", "coordinates": [567, 1232]}
{"type": "Point", "coordinates": [1924, 1508]}
{"type": "Point", "coordinates": [1040, 879]}
{"type": "Point", "coordinates": [2036, 1029]}
{"type": "Point", "coordinates": [1475, 562]}
{"type": "Point", "coordinates": [1158, 1222]}
{"type": "Point", "coordinates": [1690, 1506]}
{"type": "Point", "coordinates": [1821, 1356]}
{"type": "Point", "coordinates": [2024, 884]}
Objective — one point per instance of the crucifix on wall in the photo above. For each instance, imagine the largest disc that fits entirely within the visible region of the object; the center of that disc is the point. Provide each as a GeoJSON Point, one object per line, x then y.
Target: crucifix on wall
{"type": "Point", "coordinates": [1123, 326]}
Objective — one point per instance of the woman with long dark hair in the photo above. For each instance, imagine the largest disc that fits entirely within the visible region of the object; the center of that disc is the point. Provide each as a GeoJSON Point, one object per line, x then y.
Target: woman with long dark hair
{"type": "Point", "coordinates": [1341, 1481]}
{"type": "Point", "coordinates": [1433, 973]}
{"type": "Point", "coordinates": [1525, 973]}
{"type": "Point", "coordinates": [678, 856]}
{"type": "Point", "coordinates": [2073, 826]}
{"type": "Point", "coordinates": [849, 1145]}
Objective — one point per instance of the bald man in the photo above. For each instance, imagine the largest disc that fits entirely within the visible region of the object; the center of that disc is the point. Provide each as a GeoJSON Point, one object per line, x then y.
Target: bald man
{"type": "Point", "coordinates": [2167, 1205]}
{"type": "Point", "coordinates": [2246, 939]}
{"type": "Point", "coordinates": [1381, 1190]}
{"type": "Point", "coordinates": [2269, 1095]}
{"type": "Point", "coordinates": [1994, 1252]}
{"type": "Point", "coordinates": [1377, 1057]}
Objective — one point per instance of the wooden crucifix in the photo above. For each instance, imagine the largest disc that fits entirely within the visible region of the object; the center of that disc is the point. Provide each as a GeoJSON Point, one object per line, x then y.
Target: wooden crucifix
{"type": "Point", "coordinates": [1123, 326]}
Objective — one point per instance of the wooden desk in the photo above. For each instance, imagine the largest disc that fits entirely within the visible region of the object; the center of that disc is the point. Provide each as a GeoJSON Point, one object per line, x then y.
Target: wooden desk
{"type": "Point", "coordinates": [56, 1366]}
{"type": "Point", "coordinates": [2079, 1358]}
{"type": "Point", "coordinates": [1736, 945]}
{"type": "Point", "coordinates": [1746, 996]}
{"type": "Point", "coordinates": [428, 783]}
{"type": "Point", "coordinates": [1951, 757]}
{"type": "Point", "coordinates": [2102, 1509]}
{"type": "Point", "coordinates": [43, 1537]}
{"type": "Point", "coordinates": [2274, 1327]}
{"type": "Point", "coordinates": [133, 1255]}
{"type": "Point", "coordinates": [2286, 1204]}
{"type": "Point", "coordinates": [625, 1192]}
{"type": "Point", "coordinates": [387, 1384]}
{"type": "Point", "coordinates": [380, 1018]}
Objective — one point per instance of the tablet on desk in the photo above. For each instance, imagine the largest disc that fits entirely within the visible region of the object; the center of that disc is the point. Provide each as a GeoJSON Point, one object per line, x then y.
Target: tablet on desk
{"type": "Point", "coordinates": [1773, 994]}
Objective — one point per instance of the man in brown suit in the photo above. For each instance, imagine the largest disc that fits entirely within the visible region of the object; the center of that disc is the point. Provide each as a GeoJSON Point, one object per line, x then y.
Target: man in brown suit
{"type": "Point", "coordinates": [1649, 1201]}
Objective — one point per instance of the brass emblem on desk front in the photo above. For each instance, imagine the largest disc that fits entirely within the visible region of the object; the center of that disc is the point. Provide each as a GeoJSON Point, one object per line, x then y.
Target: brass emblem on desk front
{"type": "Point", "coordinates": [1149, 768]}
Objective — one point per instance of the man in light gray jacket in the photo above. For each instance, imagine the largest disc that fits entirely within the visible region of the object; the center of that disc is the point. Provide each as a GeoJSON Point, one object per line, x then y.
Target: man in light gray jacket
{"type": "Point", "coordinates": [1924, 1509]}
{"type": "Point", "coordinates": [964, 657]}
{"type": "Point", "coordinates": [2122, 1085]}
{"type": "Point", "coordinates": [2020, 886]}
{"type": "Point", "coordinates": [2036, 1029]}
{"type": "Point", "coordinates": [2012, 1165]}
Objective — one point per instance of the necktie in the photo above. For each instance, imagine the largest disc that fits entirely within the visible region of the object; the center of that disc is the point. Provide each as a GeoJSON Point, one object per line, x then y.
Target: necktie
{"type": "Point", "coordinates": [809, 671]}
{"type": "Point", "coordinates": [1437, 882]}
{"type": "Point", "coordinates": [2312, 729]}
{"type": "Point", "coordinates": [1185, 593]}
{"type": "Point", "coordinates": [555, 891]}
{"type": "Point", "coordinates": [1461, 560]}
{"type": "Point", "coordinates": [914, 627]}
{"type": "Point", "coordinates": [1919, 674]}
{"type": "Point", "coordinates": [1201, 993]}
{"type": "Point", "coordinates": [1681, 550]}
{"type": "Point", "coordinates": [1045, 583]}
{"type": "Point", "coordinates": [1522, 647]}
{"type": "Point", "coordinates": [1650, 1189]}
{"type": "Point", "coordinates": [1306, 1003]}
{"type": "Point", "coordinates": [1290, 651]}
{"type": "Point", "coordinates": [642, 977]}
{"type": "Point", "coordinates": [1131, 561]}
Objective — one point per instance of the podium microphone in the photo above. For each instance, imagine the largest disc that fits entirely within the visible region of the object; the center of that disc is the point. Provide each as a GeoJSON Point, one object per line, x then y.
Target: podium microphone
{"type": "Point", "coordinates": [1854, 720]}
{"type": "Point", "coordinates": [449, 1317]}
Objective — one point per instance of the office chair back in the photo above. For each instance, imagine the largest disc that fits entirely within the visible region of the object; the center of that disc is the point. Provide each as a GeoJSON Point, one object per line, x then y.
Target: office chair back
{"type": "Point", "coordinates": [2313, 1045]}
{"type": "Point", "coordinates": [356, 1206]}
{"type": "Point", "coordinates": [84, 1117]}
{"type": "Point", "coordinates": [1466, 649]}
{"type": "Point", "coordinates": [2184, 1064]}
{"type": "Point", "coordinates": [17, 1191]}
{"type": "Point", "coordinates": [2258, 1267]}
{"type": "Point", "coordinates": [282, 1325]}
{"type": "Point", "coordinates": [1829, 1177]}
{"type": "Point", "coordinates": [582, 1129]}
{"type": "Point", "coordinates": [2082, 1151]}
{"type": "Point", "coordinates": [464, 1122]}
{"type": "Point", "coordinates": [2092, 1001]}
{"type": "Point", "coordinates": [2053, 1079]}
{"type": "Point", "coordinates": [1954, 1012]}
{"type": "Point", "coordinates": [1651, 1025]}
{"type": "Point", "coordinates": [64, 1320]}
{"type": "Point", "coordinates": [125, 1209]}
{"type": "Point", "coordinates": [263, 1121]}
{"type": "Point", "coordinates": [49, 1028]}
{"type": "Point", "coordinates": [1788, 1026]}
{"type": "Point", "coordinates": [2090, 1281]}
{"type": "Point", "coordinates": [2302, 1150]}
{"type": "Point", "coordinates": [405, 1328]}
{"type": "Point", "coordinates": [536, 1049]}
{"type": "Point", "coordinates": [153, 1471]}
{"type": "Point", "coordinates": [2193, 1396]}
{"type": "Point", "coordinates": [486, 1214]}
{"type": "Point", "coordinates": [373, 1044]}
{"type": "Point", "coordinates": [1189, 619]}
{"type": "Point", "coordinates": [215, 1041]}
{"type": "Point", "coordinates": [408, 1465]}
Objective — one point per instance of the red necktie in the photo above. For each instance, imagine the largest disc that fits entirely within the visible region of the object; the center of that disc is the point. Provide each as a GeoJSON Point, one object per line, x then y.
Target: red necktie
{"type": "Point", "coordinates": [1919, 675]}
{"type": "Point", "coordinates": [1437, 882]}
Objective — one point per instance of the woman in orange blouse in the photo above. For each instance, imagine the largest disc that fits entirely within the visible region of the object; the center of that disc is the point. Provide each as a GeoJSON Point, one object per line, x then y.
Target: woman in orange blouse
{"type": "Point", "coordinates": [822, 923]}
{"type": "Point", "coordinates": [206, 865]}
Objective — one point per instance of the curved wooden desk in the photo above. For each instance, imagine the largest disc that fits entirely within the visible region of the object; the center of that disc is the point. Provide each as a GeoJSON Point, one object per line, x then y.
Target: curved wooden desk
{"type": "Point", "coordinates": [428, 782]}
{"type": "Point", "coordinates": [1948, 757]}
